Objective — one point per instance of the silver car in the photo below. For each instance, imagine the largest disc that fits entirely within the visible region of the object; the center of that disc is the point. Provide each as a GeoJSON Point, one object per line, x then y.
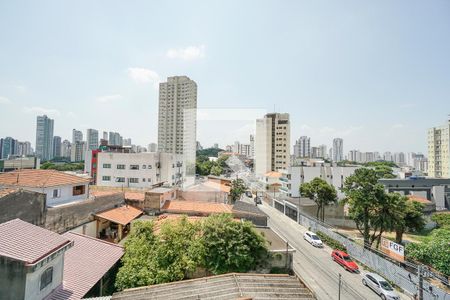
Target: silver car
{"type": "Point", "coordinates": [380, 286]}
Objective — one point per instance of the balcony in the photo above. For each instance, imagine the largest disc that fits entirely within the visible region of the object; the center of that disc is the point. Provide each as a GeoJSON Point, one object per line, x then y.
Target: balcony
{"type": "Point", "coordinates": [284, 189]}
{"type": "Point", "coordinates": [284, 179]}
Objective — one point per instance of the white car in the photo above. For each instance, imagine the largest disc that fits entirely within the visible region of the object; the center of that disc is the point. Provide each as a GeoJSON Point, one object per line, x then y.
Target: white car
{"type": "Point", "coordinates": [313, 239]}
{"type": "Point", "coordinates": [380, 286]}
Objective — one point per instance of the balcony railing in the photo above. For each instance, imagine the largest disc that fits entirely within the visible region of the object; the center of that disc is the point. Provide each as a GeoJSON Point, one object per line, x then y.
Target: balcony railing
{"type": "Point", "coordinates": [284, 179]}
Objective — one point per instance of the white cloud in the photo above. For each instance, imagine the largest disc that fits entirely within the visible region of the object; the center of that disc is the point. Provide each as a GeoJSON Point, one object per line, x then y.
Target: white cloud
{"type": "Point", "coordinates": [42, 110]}
{"type": "Point", "coordinates": [142, 75]}
{"type": "Point", "coordinates": [4, 100]}
{"type": "Point", "coordinates": [188, 53]}
{"type": "Point", "coordinates": [108, 98]}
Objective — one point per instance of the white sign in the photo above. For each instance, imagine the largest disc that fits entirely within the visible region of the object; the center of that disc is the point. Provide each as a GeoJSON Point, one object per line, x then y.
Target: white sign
{"type": "Point", "coordinates": [392, 249]}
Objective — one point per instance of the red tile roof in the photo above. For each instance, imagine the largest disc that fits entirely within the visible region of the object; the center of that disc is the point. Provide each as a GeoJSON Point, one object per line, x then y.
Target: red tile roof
{"type": "Point", "coordinates": [6, 191]}
{"type": "Point", "coordinates": [171, 218]}
{"type": "Point", "coordinates": [419, 199]}
{"type": "Point", "coordinates": [121, 215]}
{"type": "Point", "coordinates": [136, 196]}
{"type": "Point", "coordinates": [40, 178]}
{"type": "Point", "coordinates": [181, 206]}
{"type": "Point", "coordinates": [85, 264]}
{"type": "Point", "coordinates": [29, 243]}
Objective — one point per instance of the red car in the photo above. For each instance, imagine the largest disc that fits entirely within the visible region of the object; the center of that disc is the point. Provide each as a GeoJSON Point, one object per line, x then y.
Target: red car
{"type": "Point", "coordinates": [344, 260]}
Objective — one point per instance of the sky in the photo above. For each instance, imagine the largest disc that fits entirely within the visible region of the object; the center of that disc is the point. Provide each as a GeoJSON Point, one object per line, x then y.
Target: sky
{"type": "Point", "coordinates": [375, 73]}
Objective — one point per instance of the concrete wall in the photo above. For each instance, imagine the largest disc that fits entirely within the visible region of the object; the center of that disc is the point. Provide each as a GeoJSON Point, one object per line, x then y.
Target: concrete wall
{"type": "Point", "coordinates": [204, 196]}
{"type": "Point", "coordinates": [89, 229]}
{"type": "Point", "coordinates": [25, 205]}
{"type": "Point", "coordinates": [63, 218]}
{"type": "Point", "coordinates": [12, 279]}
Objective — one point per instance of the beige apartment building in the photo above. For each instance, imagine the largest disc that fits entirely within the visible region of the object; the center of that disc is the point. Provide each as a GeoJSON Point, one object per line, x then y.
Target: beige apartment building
{"type": "Point", "coordinates": [272, 143]}
{"type": "Point", "coordinates": [438, 151]}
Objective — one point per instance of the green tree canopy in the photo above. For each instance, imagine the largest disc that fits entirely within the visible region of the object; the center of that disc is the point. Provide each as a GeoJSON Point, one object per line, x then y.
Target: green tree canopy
{"type": "Point", "coordinates": [238, 187]}
{"type": "Point", "coordinates": [412, 219]}
{"type": "Point", "coordinates": [232, 246]}
{"type": "Point", "coordinates": [442, 220]}
{"type": "Point", "coordinates": [321, 193]}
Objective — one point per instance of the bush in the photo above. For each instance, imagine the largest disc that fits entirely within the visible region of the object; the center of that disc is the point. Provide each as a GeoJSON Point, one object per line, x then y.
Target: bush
{"type": "Point", "coordinates": [330, 241]}
{"type": "Point", "coordinates": [442, 220]}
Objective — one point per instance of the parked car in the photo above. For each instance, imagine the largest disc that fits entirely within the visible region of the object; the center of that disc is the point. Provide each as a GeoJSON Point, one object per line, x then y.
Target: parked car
{"type": "Point", "coordinates": [380, 286]}
{"type": "Point", "coordinates": [258, 200]}
{"type": "Point", "coordinates": [313, 239]}
{"type": "Point", "coordinates": [248, 194]}
{"type": "Point", "coordinates": [344, 260]}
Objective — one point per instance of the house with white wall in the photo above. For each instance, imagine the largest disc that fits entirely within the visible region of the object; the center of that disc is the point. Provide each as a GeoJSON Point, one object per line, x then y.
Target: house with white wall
{"type": "Point", "coordinates": [60, 188]}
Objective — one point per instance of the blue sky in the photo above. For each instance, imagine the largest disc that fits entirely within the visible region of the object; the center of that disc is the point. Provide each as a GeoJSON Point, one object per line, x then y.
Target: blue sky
{"type": "Point", "coordinates": [376, 73]}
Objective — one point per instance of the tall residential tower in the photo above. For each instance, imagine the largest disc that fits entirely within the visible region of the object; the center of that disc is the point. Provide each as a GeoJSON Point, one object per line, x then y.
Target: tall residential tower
{"type": "Point", "coordinates": [438, 151]}
{"type": "Point", "coordinates": [338, 149]}
{"type": "Point", "coordinates": [44, 137]}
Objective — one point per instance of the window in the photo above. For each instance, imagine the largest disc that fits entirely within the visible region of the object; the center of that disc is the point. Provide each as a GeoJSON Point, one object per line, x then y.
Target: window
{"type": "Point", "coordinates": [120, 179]}
{"type": "Point", "coordinates": [134, 167]}
{"type": "Point", "coordinates": [46, 277]}
{"type": "Point", "coordinates": [149, 179]}
{"type": "Point", "coordinates": [133, 180]}
{"type": "Point", "coordinates": [78, 190]}
{"type": "Point", "coordinates": [143, 179]}
{"type": "Point", "coordinates": [121, 167]}
{"type": "Point", "coordinates": [107, 166]}
{"type": "Point", "coordinates": [144, 166]}
{"type": "Point", "coordinates": [56, 193]}
{"type": "Point", "coordinates": [149, 166]}
{"type": "Point", "coordinates": [106, 178]}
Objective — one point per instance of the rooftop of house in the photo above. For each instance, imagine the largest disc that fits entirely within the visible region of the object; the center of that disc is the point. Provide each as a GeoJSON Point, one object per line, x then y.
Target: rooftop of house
{"type": "Point", "coordinates": [226, 286]}
{"type": "Point", "coordinates": [171, 218]}
{"type": "Point", "coordinates": [28, 243]}
{"type": "Point", "coordinates": [242, 206]}
{"type": "Point", "coordinates": [161, 190]}
{"type": "Point", "coordinates": [210, 186]}
{"type": "Point", "coordinates": [273, 174]}
{"type": "Point", "coordinates": [6, 191]}
{"type": "Point", "coordinates": [85, 264]}
{"type": "Point", "coordinates": [195, 207]}
{"type": "Point", "coordinates": [135, 196]}
{"type": "Point", "coordinates": [100, 193]}
{"type": "Point", "coordinates": [419, 199]}
{"type": "Point", "coordinates": [120, 215]}
{"type": "Point", "coordinates": [40, 178]}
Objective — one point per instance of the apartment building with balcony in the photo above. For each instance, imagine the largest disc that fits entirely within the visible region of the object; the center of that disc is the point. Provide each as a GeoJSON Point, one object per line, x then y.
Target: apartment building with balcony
{"type": "Point", "coordinates": [438, 151]}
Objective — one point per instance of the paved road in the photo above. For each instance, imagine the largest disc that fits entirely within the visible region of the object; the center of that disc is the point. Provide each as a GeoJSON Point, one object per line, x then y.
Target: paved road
{"type": "Point", "coordinates": [315, 266]}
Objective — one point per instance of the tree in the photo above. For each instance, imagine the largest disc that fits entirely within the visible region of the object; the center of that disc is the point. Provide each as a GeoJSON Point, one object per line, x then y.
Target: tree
{"type": "Point", "coordinates": [363, 196]}
{"type": "Point", "coordinates": [434, 251]}
{"type": "Point", "coordinates": [412, 219]}
{"type": "Point", "coordinates": [238, 187]}
{"type": "Point", "coordinates": [216, 170]}
{"type": "Point", "coordinates": [442, 220]}
{"type": "Point", "coordinates": [321, 193]}
{"type": "Point", "coordinates": [232, 246]}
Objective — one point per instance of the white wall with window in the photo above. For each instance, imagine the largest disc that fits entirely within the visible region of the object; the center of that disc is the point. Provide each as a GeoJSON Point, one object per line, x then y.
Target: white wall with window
{"type": "Point", "coordinates": [63, 194]}
{"type": "Point", "coordinates": [139, 170]}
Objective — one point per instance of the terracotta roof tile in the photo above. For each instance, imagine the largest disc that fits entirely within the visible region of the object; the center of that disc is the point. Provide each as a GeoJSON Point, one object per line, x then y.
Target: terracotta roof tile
{"type": "Point", "coordinates": [39, 178]}
{"type": "Point", "coordinates": [85, 264]}
{"type": "Point", "coordinates": [6, 191]}
{"type": "Point", "coordinates": [419, 199]}
{"type": "Point", "coordinates": [137, 196]}
{"type": "Point", "coordinates": [26, 242]}
{"type": "Point", "coordinates": [273, 174]}
{"type": "Point", "coordinates": [181, 206]}
{"type": "Point", "coordinates": [121, 215]}
{"type": "Point", "coordinates": [171, 218]}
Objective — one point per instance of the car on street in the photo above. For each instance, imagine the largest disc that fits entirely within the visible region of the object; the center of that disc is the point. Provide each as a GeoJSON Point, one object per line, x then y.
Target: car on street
{"type": "Point", "coordinates": [313, 239]}
{"type": "Point", "coordinates": [344, 260]}
{"type": "Point", "coordinates": [248, 194]}
{"type": "Point", "coordinates": [258, 200]}
{"type": "Point", "coordinates": [380, 286]}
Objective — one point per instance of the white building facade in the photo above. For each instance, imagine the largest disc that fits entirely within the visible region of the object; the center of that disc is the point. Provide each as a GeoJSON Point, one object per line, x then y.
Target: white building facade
{"type": "Point", "coordinates": [338, 149]}
{"type": "Point", "coordinates": [438, 151]}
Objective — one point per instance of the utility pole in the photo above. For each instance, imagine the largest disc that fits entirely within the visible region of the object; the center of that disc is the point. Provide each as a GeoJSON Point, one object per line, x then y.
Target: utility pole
{"type": "Point", "coordinates": [339, 293]}
{"type": "Point", "coordinates": [420, 288]}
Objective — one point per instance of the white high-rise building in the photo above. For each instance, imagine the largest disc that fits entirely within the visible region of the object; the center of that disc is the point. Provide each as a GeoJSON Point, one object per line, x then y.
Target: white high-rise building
{"type": "Point", "coordinates": [56, 146]}
{"type": "Point", "coordinates": [272, 143]}
{"type": "Point", "coordinates": [399, 159]}
{"type": "Point", "coordinates": [77, 136]}
{"type": "Point", "coordinates": [66, 149]}
{"type": "Point", "coordinates": [438, 151]}
{"type": "Point", "coordinates": [177, 119]}
{"type": "Point", "coordinates": [24, 148]}
{"type": "Point", "coordinates": [152, 147]}
{"type": "Point", "coordinates": [387, 156]}
{"type": "Point", "coordinates": [78, 151]}
{"type": "Point", "coordinates": [92, 139]}
{"type": "Point", "coordinates": [252, 146]}
{"type": "Point", "coordinates": [44, 137]}
{"type": "Point", "coordinates": [322, 151]}
{"type": "Point", "coordinates": [302, 147]}
{"type": "Point", "coordinates": [338, 149]}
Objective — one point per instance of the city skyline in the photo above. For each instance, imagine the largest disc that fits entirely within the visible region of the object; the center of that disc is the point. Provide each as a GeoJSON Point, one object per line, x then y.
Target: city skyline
{"type": "Point", "coordinates": [349, 63]}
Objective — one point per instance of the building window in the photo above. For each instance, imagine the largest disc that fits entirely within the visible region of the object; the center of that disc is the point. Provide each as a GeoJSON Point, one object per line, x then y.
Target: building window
{"type": "Point", "coordinates": [149, 180]}
{"type": "Point", "coordinates": [134, 180]}
{"type": "Point", "coordinates": [46, 277]}
{"type": "Point", "coordinates": [143, 179]}
{"type": "Point", "coordinates": [134, 167]}
{"type": "Point", "coordinates": [149, 166]}
{"type": "Point", "coordinates": [120, 179]}
{"type": "Point", "coordinates": [106, 178]}
{"type": "Point", "coordinates": [78, 190]}
{"type": "Point", "coordinates": [107, 166]}
{"type": "Point", "coordinates": [121, 167]}
{"type": "Point", "coordinates": [144, 166]}
{"type": "Point", "coordinates": [56, 193]}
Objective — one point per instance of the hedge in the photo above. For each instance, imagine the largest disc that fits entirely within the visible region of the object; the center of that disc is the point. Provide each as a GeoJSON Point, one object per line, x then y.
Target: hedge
{"type": "Point", "coordinates": [330, 241]}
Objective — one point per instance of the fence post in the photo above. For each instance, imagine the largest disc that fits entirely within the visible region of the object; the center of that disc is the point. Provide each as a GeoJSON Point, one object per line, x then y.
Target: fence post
{"type": "Point", "coordinates": [339, 293]}
{"type": "Point", "coordinates": [420, 288]}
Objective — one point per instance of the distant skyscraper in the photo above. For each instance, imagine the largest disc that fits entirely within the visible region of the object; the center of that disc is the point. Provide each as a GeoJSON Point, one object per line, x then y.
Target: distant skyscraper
{"type": "Point", "coordinates": [302, 147]}
{"type": "Point", "coordinates": [272, 143]}
{"type": "Point", "coordinates": [152, 147]}
{"type": "Point", "coordinates": [78, 151]}
{"type": "Point", "coordinates": [44, 137]}
{"type": "Point", "coordinates": [115, 139]}
{"type": "Point", "coordinates": [127, 142]}
{"type": "Point", "coordinates": [177, 118]}
{"type": "Point", "coordinates": [24, 149]}
{"type": "Point", "coordinates": [66, 149]}
{"type": "Point", "coordinates": [399, 159]}
{"type": "Point", "coordinates": [338, 149]}
{"type": "Point", "coordinates": [199, 146]}
{"type": "Point", "coordinates": [8, 146]}
{"type": "Point", "coordinates": [387, 156]}
{"type": "Point", "coordinates": [439, 151]}
{"type": "Point", "coordinates": [77, 136]}
{"type": "Point", "coordinates": [92, 139]}
{"type": "Point", "coordinates": [56, 146]}
{"type": "Point", "coordinates": [105, 135]}
{"type": "Point", "coordinates": [216, 146]}
{"type": "Point", "coordinates": [323, 151]}
{"type": "Point", "coordinates": [252, 146]}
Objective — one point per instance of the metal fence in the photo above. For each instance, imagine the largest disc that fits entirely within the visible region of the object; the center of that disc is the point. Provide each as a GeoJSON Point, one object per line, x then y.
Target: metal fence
{"type": "Point", "coordinates": [392, 271]}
